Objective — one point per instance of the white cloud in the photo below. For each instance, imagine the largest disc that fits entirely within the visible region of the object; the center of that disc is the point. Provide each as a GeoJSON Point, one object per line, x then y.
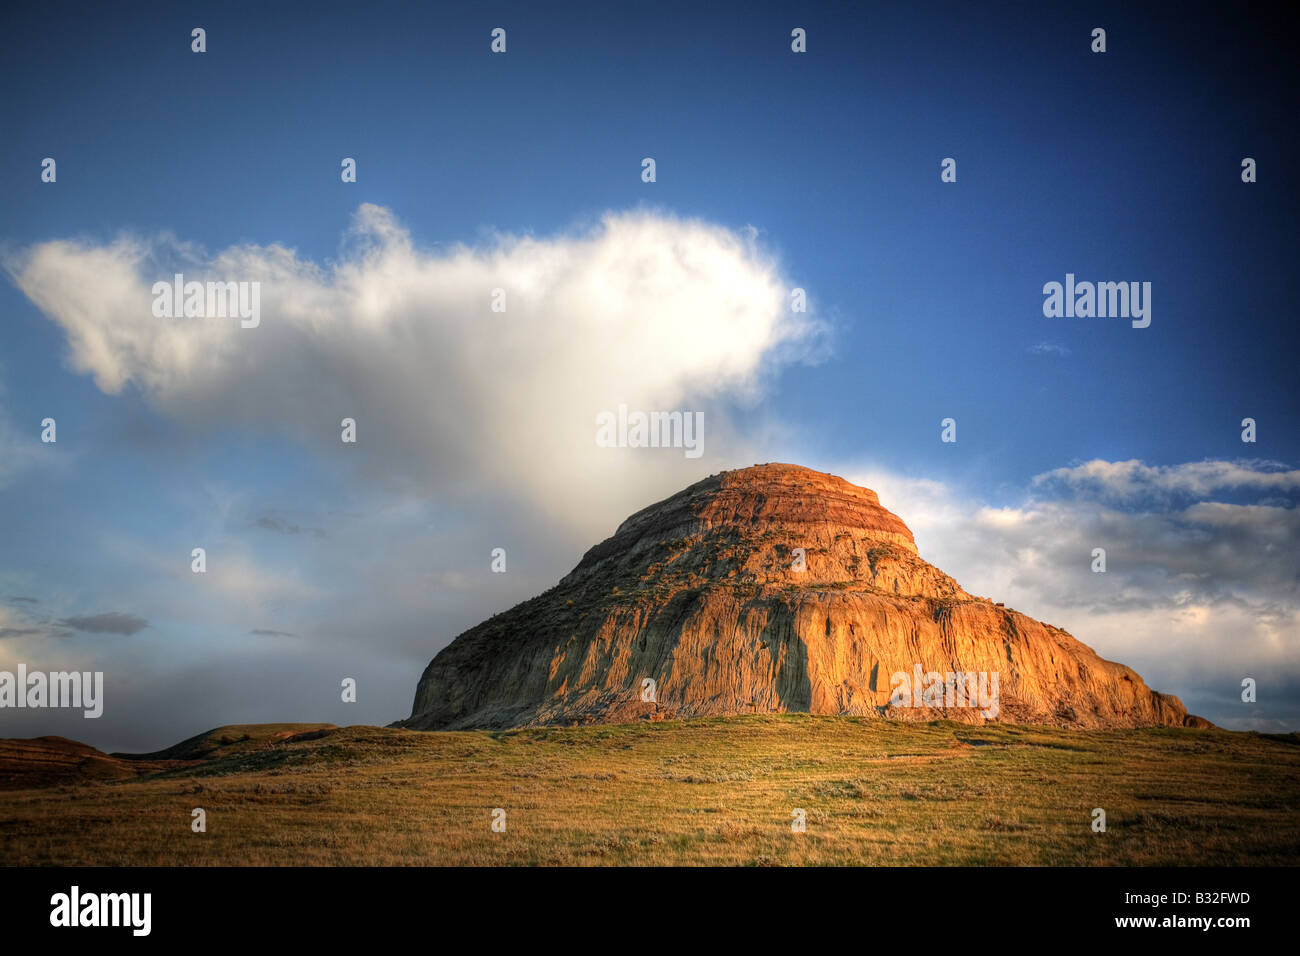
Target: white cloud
{"type": "Point", "coordinates": [1126, 479]}
{"type": "Point", "coordinates": [645, 309]}
{"type": "Point", "coordinates": [1048, 348]}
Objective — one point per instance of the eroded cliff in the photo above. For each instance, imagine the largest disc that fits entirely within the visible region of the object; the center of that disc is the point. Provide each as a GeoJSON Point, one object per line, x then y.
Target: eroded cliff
{"type": "Point", "coordinates": [771, 588]}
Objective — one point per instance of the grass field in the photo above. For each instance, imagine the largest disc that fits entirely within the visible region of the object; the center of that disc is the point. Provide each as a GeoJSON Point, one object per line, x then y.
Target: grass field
{"type": "Point", "coordinates": [711, 791]}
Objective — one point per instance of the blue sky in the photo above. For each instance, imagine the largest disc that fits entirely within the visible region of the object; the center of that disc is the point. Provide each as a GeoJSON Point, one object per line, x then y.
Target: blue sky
{"type": "Point", "coordinates": [925, 297]}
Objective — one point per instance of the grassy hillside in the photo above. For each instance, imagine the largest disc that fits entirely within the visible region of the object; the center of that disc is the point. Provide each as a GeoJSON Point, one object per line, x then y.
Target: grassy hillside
{"type": "Point", "coordinates": [232, 740]}
{"type": "Point", "coordinates": [713, 791]}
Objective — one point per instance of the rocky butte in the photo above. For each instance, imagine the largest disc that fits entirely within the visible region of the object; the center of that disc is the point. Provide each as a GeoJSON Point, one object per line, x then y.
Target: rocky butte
{"type": "Point", "coordinates": [702, 594]}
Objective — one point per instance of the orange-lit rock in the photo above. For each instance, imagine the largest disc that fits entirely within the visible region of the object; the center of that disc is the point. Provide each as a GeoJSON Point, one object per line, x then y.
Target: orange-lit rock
{"type": "Point", "coordinates": [701, 594]}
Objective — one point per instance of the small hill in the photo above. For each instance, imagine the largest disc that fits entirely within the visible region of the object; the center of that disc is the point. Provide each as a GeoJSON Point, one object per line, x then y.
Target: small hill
{"type": "Point", "coordinates": [56, 761]}
{"type": "Point", "coordinates": [233, 739]}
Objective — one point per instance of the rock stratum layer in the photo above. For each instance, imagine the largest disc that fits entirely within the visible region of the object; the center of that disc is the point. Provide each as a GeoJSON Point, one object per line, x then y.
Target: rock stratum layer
{"type": "Point", "coordinates": [702, 594]}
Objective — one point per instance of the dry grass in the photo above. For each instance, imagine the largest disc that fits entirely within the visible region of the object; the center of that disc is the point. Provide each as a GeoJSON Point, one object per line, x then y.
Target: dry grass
{"type": "Point", "coordinates": [711, 791]}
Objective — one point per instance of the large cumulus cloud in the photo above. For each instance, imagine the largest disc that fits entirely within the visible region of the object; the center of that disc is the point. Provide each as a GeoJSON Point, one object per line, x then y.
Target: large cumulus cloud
{"type": "Point", "coordinates": [641, 308]}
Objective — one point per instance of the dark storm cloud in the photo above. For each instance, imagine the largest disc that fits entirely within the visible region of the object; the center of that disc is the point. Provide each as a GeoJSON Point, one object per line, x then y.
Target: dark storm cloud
{"type": "Point", "coordinates": [18, 632]}
{"type": "Point", "coordinates": [270, 523]}
{"type": "Point", "coordinates": [112, 622]}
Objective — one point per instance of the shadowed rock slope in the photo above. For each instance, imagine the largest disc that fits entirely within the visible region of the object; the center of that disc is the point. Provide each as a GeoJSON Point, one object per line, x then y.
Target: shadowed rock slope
{"type": "Point", "coordinates": [701, 594]}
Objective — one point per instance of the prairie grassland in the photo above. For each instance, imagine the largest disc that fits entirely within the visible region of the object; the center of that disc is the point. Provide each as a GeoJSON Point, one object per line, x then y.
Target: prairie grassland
{"type": "Point", "coordinates": [699, 792]}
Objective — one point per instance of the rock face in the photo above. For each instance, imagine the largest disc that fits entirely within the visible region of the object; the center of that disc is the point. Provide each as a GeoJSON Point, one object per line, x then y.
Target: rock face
{"type": "Point", "coordinates": [703, 594]}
